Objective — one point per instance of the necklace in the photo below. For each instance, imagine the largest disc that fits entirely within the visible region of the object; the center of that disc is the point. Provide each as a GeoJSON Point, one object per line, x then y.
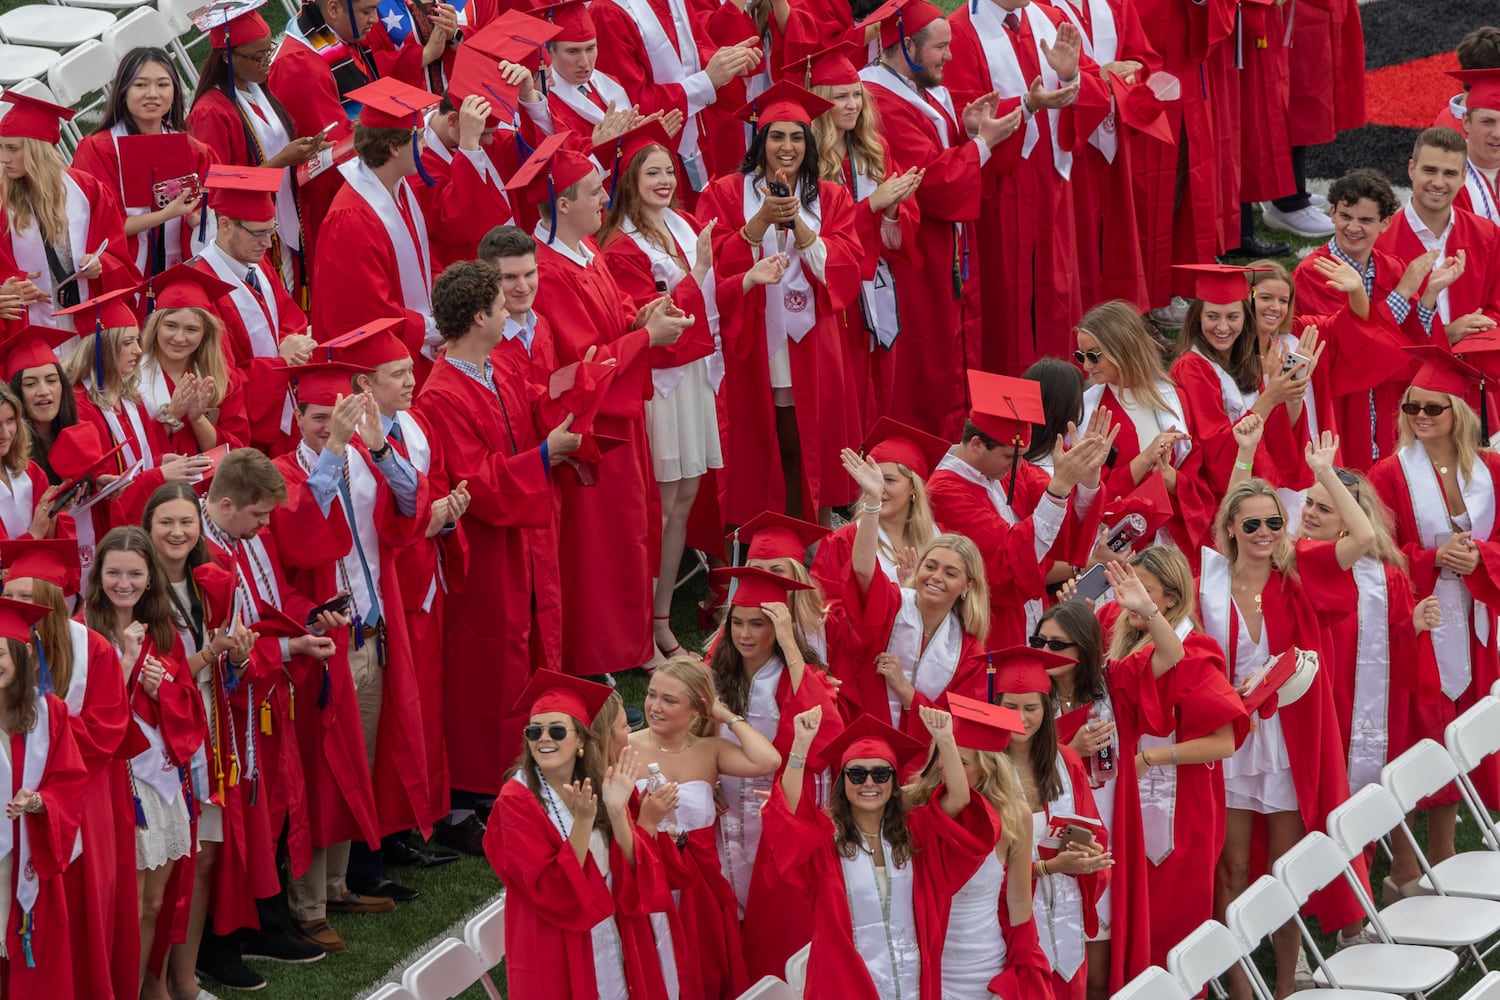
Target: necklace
{"type": "Point", "coordinates": [652, 737]}
{"type": "Point", "coordinates": [867, 841]}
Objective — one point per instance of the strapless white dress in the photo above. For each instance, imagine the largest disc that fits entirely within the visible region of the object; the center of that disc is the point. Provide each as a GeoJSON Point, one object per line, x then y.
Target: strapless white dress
{"type": "Point", "coordinates": [974, 951]}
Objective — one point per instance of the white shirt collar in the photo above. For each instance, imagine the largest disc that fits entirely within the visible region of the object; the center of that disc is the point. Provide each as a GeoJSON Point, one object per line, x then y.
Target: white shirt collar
{"type": "Point", "coordinates": [524, 332]}
{"type": "Point", "coordinates": [1427, 236]}
{"type": "Point", "coordinates": [541, 234]}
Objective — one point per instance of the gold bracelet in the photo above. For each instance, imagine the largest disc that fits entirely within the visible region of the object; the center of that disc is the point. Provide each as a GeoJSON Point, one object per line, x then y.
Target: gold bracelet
{"type": "Point", "coordinates": [804, 246]}
{"type": "Point", "coordinates": [745, 235]}
{"type": "Point", "coordinates": [1041, 869]}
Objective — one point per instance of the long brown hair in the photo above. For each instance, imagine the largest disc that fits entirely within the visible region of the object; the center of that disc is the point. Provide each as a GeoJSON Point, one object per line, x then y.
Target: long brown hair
{"type": "Point", "coordinates": [1041, 754]}
{"type": "Point", "coordinates": [154, 609]}
{"type": "Point", "coordinates": [1123, 337]}
{"type": "Point", "coordinates": [589, 765]}
{"type": "Point", "coordinates": [18, 699]}
{"type": "Point", "coordinates": [81, 367]}
{"type": "Point", "coordinates": [892, 823]}
{"type": "Point", "coordinates": [1079, 624]}
{"type": "Point", "coordinates": [727, 665]}
{"type": "Point", "coordinates": [1243, 362]}
{"type": "Point", "coordinates": [628, 205]}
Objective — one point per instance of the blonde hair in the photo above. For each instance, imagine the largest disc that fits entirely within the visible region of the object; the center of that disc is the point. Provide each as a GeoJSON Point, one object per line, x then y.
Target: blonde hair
{"type": "Point", "coordinates": [1283, 555]}
{"type": "Point", "coordinates": [695, 676]}
{"type": "Point", "coordinates": [19, 455]}
{"type": "Point", "coordinates": [809, 608]}
{"type": "Point", "coordinates": [919, 524]}
{"type": "Point", "coordinates": [603, 726]}
{"type": "Point", "coordinates": [861, 143]}
{"type": "Point", "coordinates": [1385, 548]}
{"type": "Point", "coordinates": [80, 367]}
{"type": "Point", "coordinates": [1123, 337]}
{"type": "Point", "coordinates": [998, 783]}
{"type": "Point", "coordinates": [208, 358]}
{"type": "Point", "coordinates": [973, 609]}
{"type": "Point", "coordinates": [1465, 433]}
{"type": "Point", "coordinates": [40, 196]}
{"type": "Point", "coordinates": [1171, 569]}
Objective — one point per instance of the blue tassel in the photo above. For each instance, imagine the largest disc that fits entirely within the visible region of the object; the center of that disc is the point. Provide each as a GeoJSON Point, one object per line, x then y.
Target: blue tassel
{"type": "Point", "coordinates": [551, 208]}
{"type": "Point", "coordinates": [914, 66]}
{"type": "Point", "coordinates": [325, 691]}
{"type": "Point", "coordinates": [416, 157]}
{"type": "Point", "coordinates": [187, 792]}
{"type": "Point", "coordinates": [990, 679]}
{"type": "Point", "coordinates": [231, 680]}
{"type": "Point", "coordinates": [140, 811]}
{"type": "Point", "coordinates": [614, 174]}
{"type": "Point", "coordinates": [43, 672]}
{"type": "Point", "coordinates": [98, 353]}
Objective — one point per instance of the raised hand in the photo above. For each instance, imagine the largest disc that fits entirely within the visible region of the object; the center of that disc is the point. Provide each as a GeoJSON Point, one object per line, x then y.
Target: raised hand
{"type": "Point", "coordinates": [1248, 431]}
{"type": "Point", "coordinates": [865, 472]}
{"type": "Point", "coordinates": [1320, 454]}
{"type": "Point", "coordinates": [1339, 275]}
{"type": "Point", "coordinates": [580, 800]}
{"type": "Point", "coordinates": [781, 620]}
{"type": "Point", "coordinates": [805, 727]}
{"type": "Point", "coordinates": [906, 562]}
{"type": "Point", "coordinates": [1040, 98]}
{"type": "Point", "coordinates": [938, 722]}
{"type": "Point", "coordinates": [1130, 593]}
{"type": "Point", "coordinates": [619, 780]}
{"type": "Point", "coordinates": [1063, 54]}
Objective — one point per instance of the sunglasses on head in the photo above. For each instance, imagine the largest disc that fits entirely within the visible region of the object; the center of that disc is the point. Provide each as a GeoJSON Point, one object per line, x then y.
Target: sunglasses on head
{"type": "Point", "coordinates": [857, 775]}
{"type": "Point", "coordinates": [556, 731]}
{"type": "Point", "coordinates": [1056, 645]}
{"type": "Point", "coordinates": [1091, 357]}
{"type": "Point", "coordinates": [1251, 525]}
{"type": "Point", "coordinates": [1346, 477]}
{"type": "Point", "coordinates": [1428, 409]}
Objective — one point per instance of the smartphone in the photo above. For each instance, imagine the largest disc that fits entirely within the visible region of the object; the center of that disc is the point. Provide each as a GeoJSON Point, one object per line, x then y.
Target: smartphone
{"type": "Point", "coordinates": [323, 135]}
{"type": "Point", "coordinates": [74, 493]}
{"type": "Point", "coordinates": [338, 605]}
{"type": "Point", "coordinates": [1294, 360]}
{"type": "Point", "coordinates": [779, 189]}
{"type": "Point", "coordinates": [1074, 833]}
{"type": "Point", "coordinates": [1091, 585]}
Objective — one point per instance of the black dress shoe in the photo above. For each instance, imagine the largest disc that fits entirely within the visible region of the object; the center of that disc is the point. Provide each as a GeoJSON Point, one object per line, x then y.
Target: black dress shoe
{"type": "Point", "coordinates": [401, 852]}
{"type": "Point", "coordinates": [376, 887]}
{"type": "Point", "coordinates": [230, 972]}
{"type": "Point", "coordinates": [467, 836]}
{"type": "Point", "coordinates": [1255, 248]}
{"type": "Point", "coordinates": [278, 946]}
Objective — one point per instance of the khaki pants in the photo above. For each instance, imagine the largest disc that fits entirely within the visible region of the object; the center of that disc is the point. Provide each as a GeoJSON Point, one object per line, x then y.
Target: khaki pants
{"type": "Point", "coordinates": [307, 897]}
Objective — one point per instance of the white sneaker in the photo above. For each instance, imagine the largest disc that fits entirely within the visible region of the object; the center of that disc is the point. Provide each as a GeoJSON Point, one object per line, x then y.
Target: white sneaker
{"type": "Point", "coordinates": [1367, 935]}
{"type": "Point", "coordinates": [1171, 317]}
{"type": "Point", "coordinates": [1304, 975]}
{"type": "Point", "coordinates": [1307, 221]}
{"type": "Point", "coordinates": [1317, 200]}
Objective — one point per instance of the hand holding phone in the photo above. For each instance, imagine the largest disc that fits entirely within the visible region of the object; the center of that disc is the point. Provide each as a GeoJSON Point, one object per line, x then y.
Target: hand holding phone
{"type": "Point", "coordinates": [338, 604]}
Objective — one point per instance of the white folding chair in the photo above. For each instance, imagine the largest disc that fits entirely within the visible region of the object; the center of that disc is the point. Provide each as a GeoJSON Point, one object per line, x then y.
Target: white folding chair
{"type": "Point", "coordinates": [1262, 908]}
{"type": "Point", "coordinates": [24, 62]}
{"type": "Point", "coordinates": [796, 969]}
{"type": "Point", "coordinates": [144, 27]}
{"type": "Point", "coordinates": [1367, 817]}
{"type": "Point", "coordinates": [1495, 690]}
{"type": "Point", "coordinates": [1471, 738]}
{"type": "Point", "coordinates": [446, 971]}
{"type": "Point", "coordinates": [1487, 988]}
{"type": "Point", "coordinates": [392, 991]}
{"type": "Point", "coordinates": [175, 12]}
{"type": "Point", "coordinates": [769, 988]}
{"type": "Point", "coordinates": [99, 4]}
{"type": "Point", "coordinates": [485, 936]}
{"type": "Point", "coordinates": [1155, 983]}
{"type": "Point", "coordinates": [1422, 771]}
{"type": "Point", "coordinates": [83, 71]}
{"type": "Point", "coordinates": [53, 27]}
{"type": "Point", "coordinates": [1203, 956]}
{"type": "Point", "coordinates": [31, 88]}
{"type": "Point", "coordinates": [1315, 862]}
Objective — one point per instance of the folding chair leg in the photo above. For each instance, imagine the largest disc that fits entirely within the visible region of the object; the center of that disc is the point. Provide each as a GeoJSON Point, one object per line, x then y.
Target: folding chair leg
{"type": "Point", "coordinates": [490, 987]}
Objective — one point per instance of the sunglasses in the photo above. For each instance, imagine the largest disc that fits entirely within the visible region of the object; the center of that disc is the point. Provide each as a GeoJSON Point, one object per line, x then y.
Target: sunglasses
{"type": "Point", "coordinates": [1056, 645]}
{"type": "Point", "coordinates": [1091, 357]}
{"type": "Point", "coordinates": [1346, 477]}
{"type": "Point", "coordinates": [1429, 409]}
{"type": "Point", "coordinates": [1251, 525]}
{"type": "Point", "coordinates": [858, 775]}
{"type": "Point", "coordinates": [556, 731]}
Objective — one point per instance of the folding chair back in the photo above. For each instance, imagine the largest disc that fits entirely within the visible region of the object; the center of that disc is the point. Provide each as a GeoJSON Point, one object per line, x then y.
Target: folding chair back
{"type": "Point", "coordinates": [1475, 735]}
{"type": "Point", "coordinates": [1363, 818]}
{"type": "Point", "coordinates": [1155, 983]}
{"type": "Point", "coordinates": [1418, 773]}
{"type": "Point", "coordinates": [1487, 988]}
{"type": "Point", "coordinates": [485, 933]}
{"type": "Point", "coordinates": [1309, 865]}
{"type": "Point", "coordinates": [769, 988]}
{"type": "Point", "coordinates": [445, 971]}
{"type": "Point", "coordinates": [1203, 955]}
{"type": "Point", "coordinates": [144, 27]}
{"type": "Point", "coordinates": [796, 969]}
{"type": "Point", "coordinates": [391, 991]}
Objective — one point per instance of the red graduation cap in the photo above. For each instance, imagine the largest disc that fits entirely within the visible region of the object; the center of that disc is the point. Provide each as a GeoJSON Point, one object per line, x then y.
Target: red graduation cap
{"type": "Point", "coordinates": [217, 584]}
{"type": "Point", "coordinates": [551, 167]}
{"type": "Point", "coordinates": [249, 27]}
{"type": "Point", "coordinates": [756, 586]}
{"type": "Point", "coordinates": [17, 618]}
{"type": "Point", "coordinates": [146, 160]}
{"type": "Point", "coordinates": [812, 64]}
{"type": "Point", "coordinates": [371, 346]}
{"type": "Point", "coordinates": [476, 72]}
{"type": "Point", "coordinates": [579, 388]}
{"type": "Point", "coordinates": [1141, 109]}
{"type": "Point", "coordinates": [554, 691]}
{"type": "Point", "coordinates": [1481, 351]}
{"type": "Point", "coordinates": [1023, 670]}
{"type": "Point", "coordinates": [1441, 371]}
{"type": "Point", "coordinates": [572, 19]}
{"type": "Point", "coordinates": [900, 19]}
{"type": "Point", "coordinates": [186, 287]}
{"type": "Point", "coordinates": [1220, 284]}
{"type": "Point", "coordinates": [1483, 87]}
{"type": "Point", "coordinates": [323, 384]}
{"type": "Point", "coordinates": [869, 738]}
{"type": "Point", "coordinates": [978, 725]}
{"type": "Point", "coordinates": [783, 102]}
{"type": "Point", "coordinates": [111, 309]}
{"type": "Point", "coordinates": [892, 441]}
{"type": "Point", "coordinates": [390, 103]}
{"type": "Point", "coordinates": [514, 36]}
{"type": "Point", "coordinates": [1148, 500]}
{"type": "Point", "coordinates": [277, 624]}
{"type": "Point", "coordinates": [52, 559]}
{"type": "Point", "coordinates": [29, 118]}
{"type": "Point", "coordinates": [1004, 407]}
{"type": "Point", "coordinates": [80, 453]}
{"type": "Point", "coordinates": [776, 536]}
{"type": "Point", "coordinates": [243, 193]}
{"type": "Point", "coordinates": [31, 347]}
{"type": "Point", "coordinates": [623, 150]}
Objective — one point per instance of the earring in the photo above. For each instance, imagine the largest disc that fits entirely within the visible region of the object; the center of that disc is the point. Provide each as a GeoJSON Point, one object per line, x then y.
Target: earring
{"type": "Point", "coordinates": [580, 751]}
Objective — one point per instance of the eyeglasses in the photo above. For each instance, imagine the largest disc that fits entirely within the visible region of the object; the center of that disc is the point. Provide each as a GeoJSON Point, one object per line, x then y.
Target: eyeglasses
{"type": "Point", "coordinates": [1251, 525]}
{"type": "Point", "coordinates": [1056, 645]}
{"type": "Point", "coordinates": [1346, 477]}
{"type": "Point", "coordinates": [1428, 409]}
{"type": "Point", "coordinates": [258, 235]}
{"type": "Point", "coordinates": [557, 732]}
{"type": "Point", "coordinates": [858, 775]}
{"type": "Point", "coordinates": [1091, 357]}
{"type": "Point", "coordinates": [263, 58]}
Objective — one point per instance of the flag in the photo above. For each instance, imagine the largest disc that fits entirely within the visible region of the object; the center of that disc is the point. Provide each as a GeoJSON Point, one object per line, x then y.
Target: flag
{"type": "Point", "coordinates": [397, 18]}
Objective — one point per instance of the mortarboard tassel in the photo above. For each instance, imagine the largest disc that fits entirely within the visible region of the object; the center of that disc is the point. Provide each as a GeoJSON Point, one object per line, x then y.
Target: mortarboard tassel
{"type": "Point", "coordinates": [416, 159]}
{"type": "Point", "coordinates": [614, 174]}
{"type": "Point", "coordinates": [27, 929]}
{"type": "Point", "coordinates": [551, 207]}
{"type": "Point", "coordinates": [989, 680]}
{"type": "Point", "coordinates": [912, 64]}
{"type": "Point", "coordinates": [1484, 416]}
{"type": "Point", "coordinates": [98, 352]}
{"type": "Point", "coordinates": [1015, 453]}
{"type": "Point", "coordinates": [43, 672]}
{"type": "Point", "coordinates": [325, 690]}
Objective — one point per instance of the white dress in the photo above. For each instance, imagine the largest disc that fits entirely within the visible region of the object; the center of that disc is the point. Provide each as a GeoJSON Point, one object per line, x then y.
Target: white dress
{"type": "Point", "coordinates": [974, 951]}
{"type": "Point", "coordinates": [739, 827]}
{"type": "Point", "coordinates": [1258, 778]}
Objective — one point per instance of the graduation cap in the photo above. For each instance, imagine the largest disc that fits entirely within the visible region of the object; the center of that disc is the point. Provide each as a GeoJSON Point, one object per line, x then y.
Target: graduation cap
{"type": "Point", "coordinates": [579, 389]}
{"type": "Point", "coordinates": [551, 167]}
{"type": "Point", "coordinates": [29, 118]}
{"type": "Point", "coordinates": [1220, 284]}
{"type": "Point", "coordinates": [515, 36]}
{"type": "Point", "coordinates": [783, 102]}
{"type": "Point", "coordinates": [623, 150]}
{"type": "Point", "coordinates": [750, 587]}
{"type": "Point", "coordinates": [978, 725]}
{"type": "Point", "coordinates": [390, 103]}
{"type": "Point", "coordinates": [869, 738]}
{"type": "Point", "coordinates": [274, 623]}
{"type": "Point", "coordinates": [900, 20]}
{"type": "Point", "coordinates": [322, 384]}
{"type": "Point", "coordinates": [146, 160]}
{"type": "Point", "coordinates": [572, 19]}
{"type": "Point", "coordinates": [1441, 371]}
{"type": "Point", "coordinates": [1022, 670]}
{"type": "Point", "coordinates": [371, 346]}
{"type": "Point", "coordinates": [1004, 407]}
{"type": "Point", "coordinates": [18, 621]}
{"type": "Point", "coordinates": [54, 560]}
{"type": "Point", "coordinates": [1483, 86]}
{"type": "Point", "coordinates": [243, 193]}
{"type": "Point", "coordinates": [1140, 108]}
{"type": "Point", "coordinates": [111, 311]}
{"type": "Point", "coordinates": [776, 536]}
{"type": "Point", "coordinates": [80, 452]}
{"type": "Point", "coordinates": [555, 691]}
{"type": "Point", "coordinates": [235, 22]}
{"type": "Point", "coordinates": [892, 441]}
{"type": "Point", "coordinates": [31, 347]}
{"type": "Point", "coordinates": [813, 64]}
{"type": "Point", "coordinates": [184, 286]}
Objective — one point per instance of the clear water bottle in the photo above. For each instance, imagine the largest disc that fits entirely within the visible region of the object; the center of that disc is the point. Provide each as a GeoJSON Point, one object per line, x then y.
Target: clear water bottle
{"type": "Point", "coordinates": [1103, 762]}
{"type": "Point", "coordinates": [654, 780]}
{"type": "Point", "coordinates": [1131, 527]}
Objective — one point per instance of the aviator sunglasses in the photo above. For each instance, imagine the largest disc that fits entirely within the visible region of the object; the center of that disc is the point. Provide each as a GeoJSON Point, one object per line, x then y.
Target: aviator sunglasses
{"type": "Point", "coordinates": [557, 731]}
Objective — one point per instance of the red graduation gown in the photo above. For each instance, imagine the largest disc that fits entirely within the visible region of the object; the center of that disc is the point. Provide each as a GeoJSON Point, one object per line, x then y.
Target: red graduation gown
{"type": "Point", "coordinates": [946, 852]}
{"type": "Point", "coordinates": [1328, 78]}
{"type": "Point", "coordinates": [1478, 287]}
{"type": "Point", "coordinates": [606, 571]}
{"type": "Point", "coordinates": [1208, 421]}
{"type": "Point", "coordinates": [50, 835]}
{"type": "Point", "coordinates": [506, 622]}
{"type": "Point", "coordinates": [312, 544]}
{"type": "Point", "coordinates": [462, 204]}
{"type": "Point", "coordinates": [552, 902]}
{"type": "Point", "coordinates": [820, 370]}
{"type": "Point", "coordinates": [1011, 568]}
{"type": "Point", "coordinates": [1265, 105]}
{"type": "Point", "coordinates": [1091, 886]}
{"type": "Point", "coordinates": [403, 60]}
{"type": "Point", "coordinates": [1027, 235]}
